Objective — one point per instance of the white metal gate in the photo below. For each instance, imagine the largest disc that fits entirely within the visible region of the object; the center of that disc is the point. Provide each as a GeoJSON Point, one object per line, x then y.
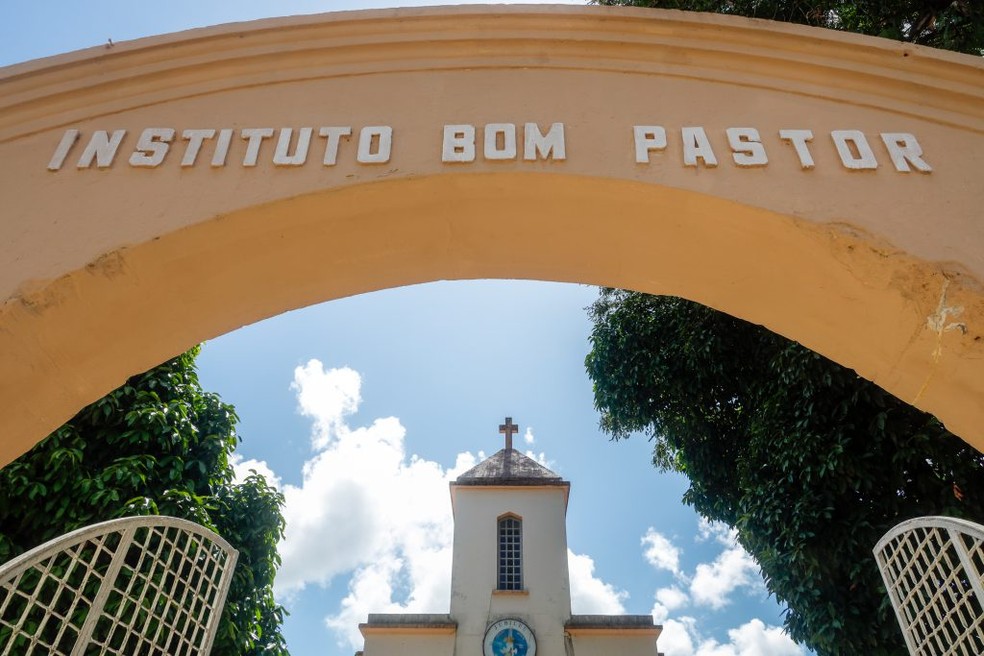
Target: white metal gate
{"type": "Point", "coordinates": [138, 586]}
{"type": "Point", "coordinates": [933, 569]}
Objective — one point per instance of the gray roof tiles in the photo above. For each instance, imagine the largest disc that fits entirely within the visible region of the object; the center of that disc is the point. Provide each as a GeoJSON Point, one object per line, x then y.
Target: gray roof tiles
{"type": "Point", "coordinates": [509, 467]}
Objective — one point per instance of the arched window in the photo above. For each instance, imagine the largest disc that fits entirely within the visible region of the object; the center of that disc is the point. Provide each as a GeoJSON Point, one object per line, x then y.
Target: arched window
{"type": "Point", "coordinates": [510, 553]}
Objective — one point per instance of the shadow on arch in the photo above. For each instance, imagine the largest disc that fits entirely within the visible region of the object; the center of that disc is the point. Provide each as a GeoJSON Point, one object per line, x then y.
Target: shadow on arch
{"type": "Point", "coordinates": [828, 288]}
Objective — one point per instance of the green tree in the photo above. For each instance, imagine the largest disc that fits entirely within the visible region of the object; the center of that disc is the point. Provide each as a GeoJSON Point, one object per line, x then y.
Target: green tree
{"type": "Point", "coordinates": [157, 445]}
{"type": "Point", "coordinates": [949, 24]}
{"type": "Point", "coordinates": [809, 462]}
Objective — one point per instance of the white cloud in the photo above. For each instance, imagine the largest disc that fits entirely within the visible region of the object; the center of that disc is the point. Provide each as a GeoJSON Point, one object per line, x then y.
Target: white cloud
{"type": "Point", "coordinates": [365, 506]}
{"type": "Point", "coordinates": [242, 468]}
{"type": "Point", "coordinates": [714, 648]}
{"type": "Point", "coordinates": [327, 397]}
{"type": "Point", "coordinates": [711, 585]}
{"type": "Point", "coordinates": [660, 613]}
{"type": "Point", "coordinates": [660, 552]}
{"type": "Point", "coordinates": [672, 598]}
{"type": "Point", "coordinates": [732, 569]}
{"type": "Point", "coordinates": [717, 531]}
{"type": "Point", "coordinates": [370, 590]}
{"type": "Point", "coordinates": [359, 501]}
{"type": "Point", "coordinates": [754, 638]}
{"type": "Point", "coordinates": [374, 588]}
{"type": "Point", "coordinates": [677, 637]}
{"type": "Point", "coordinates": [589, 594]}
{"type": "Point", "coordinates": [680, 637]}
{"type": "Point", "coordinates": [528, 436]}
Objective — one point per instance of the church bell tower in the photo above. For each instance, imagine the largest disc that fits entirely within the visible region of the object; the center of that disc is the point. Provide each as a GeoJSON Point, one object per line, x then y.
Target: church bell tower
{"type": "Point", "coordinates": [510, 585]}
{"type": "Point", "coordinates": [510, 553]}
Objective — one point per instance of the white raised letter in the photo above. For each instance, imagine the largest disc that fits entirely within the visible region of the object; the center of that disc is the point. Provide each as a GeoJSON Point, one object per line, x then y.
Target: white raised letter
{"type": "Point", "coordinates": [904, 150]}
{"type": "Point", "coordinates": [382, 136]}
{"type": "Point", "coordinates": [459, 143]}
{"type": "Point", "coordinates": [281, 156]}
{"type": "Point", "coordinates": [61, 152]}
{"type": "Point", "coordinates": [648, 138]}
{"type": "Point", "coordinates": [508, 133]}
{"type": "Point", "coordinates": [864, 159]}
{"type": "Point", "coordinates": [747, 147]}
{"type": "Point", "coordinates": [222, 147]}
{"type": "Point", "coordinates": [799, 138]}
{"type": "Point", "coordinates": [255, 137]}
{"type": "Point", "coordinates": [195, 139]}
{"type": "Point", "coordinates": [102, 148]}
{"type": "Point", "coordinates": [334, 136]}
{"type": "Point", "coordinates": [551, 145]}
{"type": "Point", "coordinates": [152, 146]}
{"type": "Point", "coordinates": [696, 145]}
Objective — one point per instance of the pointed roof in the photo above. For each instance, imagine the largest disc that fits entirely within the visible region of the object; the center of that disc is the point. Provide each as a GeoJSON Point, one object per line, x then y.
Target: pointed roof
{"type": "Point", "coordinates": [509, 467]}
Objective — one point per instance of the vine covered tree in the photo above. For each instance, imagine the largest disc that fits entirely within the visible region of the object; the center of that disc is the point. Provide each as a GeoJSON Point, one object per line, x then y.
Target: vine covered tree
{"type": "Point", "coordinates": [809, 462]}
{"type": "Point", "coordinates": [159, 444]}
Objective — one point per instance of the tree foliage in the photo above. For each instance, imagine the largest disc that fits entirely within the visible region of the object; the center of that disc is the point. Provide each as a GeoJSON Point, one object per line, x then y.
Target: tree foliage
{"type": "Point", "coordinates": [811, 463]}
{"type": "Point", "coordinates": [157, 445]}
{"type": "Point", "coordinates": [948, 24]}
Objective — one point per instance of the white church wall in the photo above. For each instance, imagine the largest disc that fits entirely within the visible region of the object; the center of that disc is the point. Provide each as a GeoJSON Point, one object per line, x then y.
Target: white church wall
{"type": "Point", "coordinates": [544, 604]}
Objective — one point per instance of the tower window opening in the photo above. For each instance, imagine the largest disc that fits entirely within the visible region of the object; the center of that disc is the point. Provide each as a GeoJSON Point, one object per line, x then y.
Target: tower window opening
{"type": "Point", "coordinates": [510, 553]}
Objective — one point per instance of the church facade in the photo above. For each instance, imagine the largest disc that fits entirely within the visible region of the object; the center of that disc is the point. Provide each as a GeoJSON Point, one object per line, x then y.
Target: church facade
{"type": "Point", "coordinates": [510, 586]}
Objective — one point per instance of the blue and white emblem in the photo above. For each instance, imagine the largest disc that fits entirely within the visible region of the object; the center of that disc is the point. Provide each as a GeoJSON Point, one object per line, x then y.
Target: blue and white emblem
{"type": "Point", "coordinates": [509, 638]}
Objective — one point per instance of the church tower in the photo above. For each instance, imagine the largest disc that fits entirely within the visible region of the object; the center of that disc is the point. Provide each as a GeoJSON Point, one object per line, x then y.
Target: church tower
{"type": "Point", "coordinates": [510, 549]}
{"type": "Point", "coordinates": [510, 586]}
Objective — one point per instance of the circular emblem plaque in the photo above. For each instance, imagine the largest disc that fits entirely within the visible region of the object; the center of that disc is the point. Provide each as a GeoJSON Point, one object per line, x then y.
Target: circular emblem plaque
{"type": "Point", "coordinates": [509, 638]}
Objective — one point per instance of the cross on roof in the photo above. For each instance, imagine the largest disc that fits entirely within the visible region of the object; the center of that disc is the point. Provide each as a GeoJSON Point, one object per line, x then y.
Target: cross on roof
{"type": "Point", "coordinates": [508, 429]}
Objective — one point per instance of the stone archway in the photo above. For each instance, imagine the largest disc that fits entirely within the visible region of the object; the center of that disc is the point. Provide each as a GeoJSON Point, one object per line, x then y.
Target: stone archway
{"type": "Point", "coordinates": [157, 194]}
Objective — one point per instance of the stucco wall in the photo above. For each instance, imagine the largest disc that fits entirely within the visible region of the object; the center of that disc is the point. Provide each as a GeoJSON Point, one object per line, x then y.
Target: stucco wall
{"type": "Point", "coordinates": [408, 644]}
{"type": "Point", "coordinates": [546, 602]}
{"type": "Point", "coordinates": [108, 270]}
{"type": "Point", "coordinates": [609, 645]}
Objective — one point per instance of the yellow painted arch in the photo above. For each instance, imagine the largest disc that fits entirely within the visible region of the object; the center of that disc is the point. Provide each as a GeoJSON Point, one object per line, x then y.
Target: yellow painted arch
{"type": "Point", "coordinates": [108, 271]}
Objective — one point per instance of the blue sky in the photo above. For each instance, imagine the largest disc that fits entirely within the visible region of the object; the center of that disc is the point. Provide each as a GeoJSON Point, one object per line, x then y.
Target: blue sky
{"type": "Point", "coordinates": [363, 409]}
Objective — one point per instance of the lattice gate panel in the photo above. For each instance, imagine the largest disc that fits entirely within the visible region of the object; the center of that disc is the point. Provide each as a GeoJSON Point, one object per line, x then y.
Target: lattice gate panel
{"type": "Point", "coordinates": [138, 586]}
{"type": "Point", "coordinates": [933, 568]}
